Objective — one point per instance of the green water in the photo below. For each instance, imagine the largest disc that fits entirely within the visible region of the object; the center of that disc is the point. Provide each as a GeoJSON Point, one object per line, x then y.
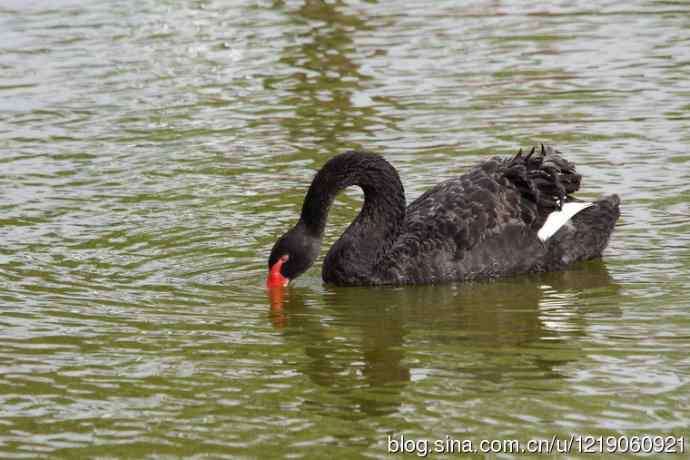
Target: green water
{"type": "Point", "coordinates": [151, 152]}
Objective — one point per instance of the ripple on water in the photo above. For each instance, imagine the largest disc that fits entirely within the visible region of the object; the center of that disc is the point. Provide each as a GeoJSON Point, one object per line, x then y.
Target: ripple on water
{"type": "Point", "coordinates": [151, 155]}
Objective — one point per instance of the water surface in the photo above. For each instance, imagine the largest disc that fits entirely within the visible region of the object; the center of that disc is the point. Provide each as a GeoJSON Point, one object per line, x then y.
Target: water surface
{"type": "Point", "coordinates": [151, 152]}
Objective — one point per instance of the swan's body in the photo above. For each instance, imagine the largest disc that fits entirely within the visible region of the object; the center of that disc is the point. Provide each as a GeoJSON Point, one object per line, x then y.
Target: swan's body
{"type": "Point", "coordinates": [503, 217]}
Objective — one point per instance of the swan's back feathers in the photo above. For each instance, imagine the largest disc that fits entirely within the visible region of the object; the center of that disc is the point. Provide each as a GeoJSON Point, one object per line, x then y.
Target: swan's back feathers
{"type": "Point", "coordinates": [545, 178]}
{"type": "Point", "coordinates": [484, 223]}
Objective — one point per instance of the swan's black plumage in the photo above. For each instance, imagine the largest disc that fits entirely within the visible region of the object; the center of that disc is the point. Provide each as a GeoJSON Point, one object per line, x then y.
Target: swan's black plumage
{"type": "Point", "coordinates": [480, 225]}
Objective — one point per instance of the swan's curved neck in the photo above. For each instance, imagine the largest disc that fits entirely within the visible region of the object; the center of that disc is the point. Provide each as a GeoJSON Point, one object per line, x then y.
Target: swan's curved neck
{"type": "Point", "coordinates": [376, 227]}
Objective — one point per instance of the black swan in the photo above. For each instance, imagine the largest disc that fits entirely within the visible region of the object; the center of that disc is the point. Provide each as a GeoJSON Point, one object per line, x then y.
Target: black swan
{"type": "Point", "coordinates": [503, 217]}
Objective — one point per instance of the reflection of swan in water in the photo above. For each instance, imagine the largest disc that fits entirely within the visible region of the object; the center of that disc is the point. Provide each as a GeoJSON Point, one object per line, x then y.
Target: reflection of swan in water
{"type": "Point", "coordinates": [352, 355]}
{"type": "Point", "coordinates": [363, 345]}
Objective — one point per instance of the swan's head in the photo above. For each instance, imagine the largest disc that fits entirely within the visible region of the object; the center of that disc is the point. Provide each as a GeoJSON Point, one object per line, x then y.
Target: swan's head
{"type": "Point", "coordinates": [291, 256]}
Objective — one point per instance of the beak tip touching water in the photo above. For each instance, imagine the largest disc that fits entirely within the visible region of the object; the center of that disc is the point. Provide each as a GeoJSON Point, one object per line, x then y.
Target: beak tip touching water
{"type": "Point", "coordinates": [275, 278]}
{"type": "Point", "coordinates": [273, 282]}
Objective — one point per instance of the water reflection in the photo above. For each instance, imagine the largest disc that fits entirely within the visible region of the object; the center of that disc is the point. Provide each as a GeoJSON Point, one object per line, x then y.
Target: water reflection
{"type": "Point", "coordinates": [355, 339]}
{"type": "Point", "coordinates": [324, 83]}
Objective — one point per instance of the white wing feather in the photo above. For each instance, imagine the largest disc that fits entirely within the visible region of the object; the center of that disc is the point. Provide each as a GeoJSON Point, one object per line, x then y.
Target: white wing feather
{"type": "Point", "coordinates": [557, 219]}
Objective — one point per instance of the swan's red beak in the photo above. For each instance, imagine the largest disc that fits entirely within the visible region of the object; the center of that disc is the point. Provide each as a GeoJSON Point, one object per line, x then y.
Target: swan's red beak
{"type": "Point", "coordinates": [275, 278]}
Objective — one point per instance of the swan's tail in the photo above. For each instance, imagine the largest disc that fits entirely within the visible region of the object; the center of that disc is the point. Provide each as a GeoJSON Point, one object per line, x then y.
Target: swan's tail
{"type": "Point", "coordinates": [587, 234]}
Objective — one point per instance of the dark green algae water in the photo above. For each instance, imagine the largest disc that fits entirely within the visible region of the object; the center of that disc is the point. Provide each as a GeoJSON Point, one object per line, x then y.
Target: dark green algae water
{"type": "Point", "coordinates": [151, 152]}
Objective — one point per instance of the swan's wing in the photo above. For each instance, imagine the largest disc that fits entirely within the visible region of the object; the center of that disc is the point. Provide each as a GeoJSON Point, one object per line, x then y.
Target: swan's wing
{"type": "Point", "coordinates": [483, 223]}
{"type": "Point", "coordinates": [558, 219]}
{"type": "Point", "coordinates": [445, 225]}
